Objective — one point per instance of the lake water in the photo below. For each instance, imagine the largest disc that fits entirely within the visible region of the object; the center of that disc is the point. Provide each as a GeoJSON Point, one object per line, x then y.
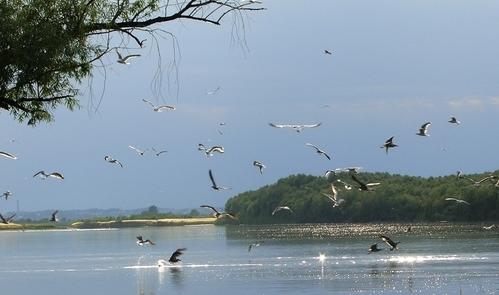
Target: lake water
{"type": "Point", "coordinates": [431, 259]}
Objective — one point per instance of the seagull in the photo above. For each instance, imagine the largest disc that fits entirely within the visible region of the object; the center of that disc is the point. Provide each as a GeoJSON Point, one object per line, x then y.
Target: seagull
{"type": "Point", "coordinates": [159, 108]}
{"type": "Point", "coordinates": [459, 174]}
{"type": "Point", "coordinates": [201, 147]}
{"type": "Point", "coordinates": [157, 153]}
{"type": "Point", "coordinates": [254, 245]}
{"type": "Point", "coordinates": [296, 127]}
{"type": "Point", "coordinates": [492, 178]}
{"type": "Point", "coordinates": [214, 91]}
{"type": "Point", "coordinates": [327, 52]}
{"type": "Point", "coordinates": [45, 175]}
{"type": "Point", "coordinates": [423, 131]}
{"type": "Point", "coordinates": [373, 248]}
{"type": "Point", "coordinates": [388, 144]}
{"type": "Point", "coordinates": [214, 185]}
{"type": "Point", "coordinates": [334, 197]}
{"type": "Point", "coordinates": [218, 214]}
{"type": "Point", "coordinates": [457, 200]}
{"type": "Point", "coordinates": [8, 155]}
{"type": "Point", "coordinates": [7, 220]}
{"type": "Point", "coordinates": [329, 173]}
{"type": "Point", "coordinates": [319, 151]}
{"type": "Point", "coordinates": [279, 208]}
{"type": "Point", "coordinates": [139, 151]}
{"type": "Point", "coordinates": [124, 60]}
{"type": "Point", "coordinates": [176, 254]}
{"type": "Point", "coordinates": [389, 242]}
{"type": "Point", "coordinates": [219, 149]}
{"type": "Point", "coordinates": [354, 170]}
{"type": "Point", "coordinates": [365, 186]}
{"type": "Point", "coordinates": [453, 120]}
{"type": "Point", "coordinates": [260, 166]}
{"type": "Point", "coordinates": [53, 218]}
{"type": "Point", "coordinates": [346, 185]}
{"type": "Point", "coordinates": [7, 194]}
{"type": "Point", "coordinates": [142, 242]}
{"type": "Point", "coordinates": [112, 161]}
{"type": "Point", "coordinates": [490, 227]}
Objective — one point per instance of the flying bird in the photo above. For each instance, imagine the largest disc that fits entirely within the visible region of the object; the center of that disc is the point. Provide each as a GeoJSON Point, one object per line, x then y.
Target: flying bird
{"type": "Point", "coordinates": [142, 242]}
{"type": "Point", "coordinates": [176, 254]}
{"type": "Point", "coordinates": [139, 151]}
{"type": "Point", "coordinates": [334, 196]}
{"type": "Point", "coordinates": [260, 166]}
{"type": "Point", "coordinates": [457, 200]}
{"type": "Point", "coordinates": [158, 153]}
{"type": "Point", "coordinates": [388, 144]}
{"type": "Point", "coordinates": [159, 108]}
{"type": "Point", "coordinates": [423, 130]}
{"type": "Point", "coordinates": [329, 173]}
{"type": "Point", "coordinates": [210, 152]}
{"type": "Point", "coordinates": [345, 185]}
{"type": "Point", "coordinates": [389, 242]}
{"type": "Point", "coordinates": [8, 155]}
{"type": "Point", "coordinates": [214, 185]}
{"type": "Point", "coordinates": [217, 213]}
{"type": "Point", "coordinates": [491, 178]}
{"type": "Point", "coordinates": [253, 245]}
{"type": "Point", "coordinates": [7, 194]}
{"type": "Point", "coordinates": [112, 161]}
{"type": "Point", "coordinates": [45, 175]}
{"type": "Point", "coordinates": [373, 248]}
{"type": "Point", "coordinates": [214, 91]}
{"type": "Point", "coordinates": [53, 217]}
{"type": "Point", "coordinates": [7, 220]}
{"type": "Point", "coordinates": [453, 120]}
{"type": "Point", "coordinates": [319, 151]}
{"type": "Point", "coordinates": [279, 208]}
{"type": "Point", "coordinates": [125, 60]}
{"type": "Point", "coordinates": [296, 127]}
{"type": "Point", "coordinates": [490, 227]}
{"type": "Point", "coordinates": [327, 52]}
{"type": "Point", "coordinates": [354, 170]}
{"type": "Point", "coordinates": [365, 186]}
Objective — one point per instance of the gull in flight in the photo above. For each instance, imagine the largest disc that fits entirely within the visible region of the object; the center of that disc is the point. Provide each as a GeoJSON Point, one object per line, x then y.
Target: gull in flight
{"type": "Point", "coordinates": [334, 196]}
{"type": "Point", "coordinates": [217, 213]}
{"type": "Point", "coordinates": [260, 166]}
{"type": "Point", "coordinates": [159, 108]}
{"type": "Point", "coordinates": [457, 200]}
{"type": "Point", "coordinates": [423, 131]}
{"type": "Point", "coordinates": [346, 185]}
{"type": "Point", "coordinates": [210, 152]}
{"type": "Point", "coordinates": [490, 227]}
{"type": "Point", "coordinates": [139, 151]}
{"type": "Point", "coordinates": [354, 170]}
{"type": "Point", "coordinates": [254, 245]}
{"type": "Point", "coordinates": [157, 153]}
{"type": "Point", "coordinates": [45, 175]}
{"type": "Point", "coordinates": [112, 161]}
{"type": "Point", "coordinates": [7, 220]}
{"type": "Point", "coordinates": [8, 155]}
{"type": "Point", "coordinates": [389, 242]}
{"type": "Point", "coordinates": [492, 178]}
{"type": "Point", "coordinates": [327, 52]}
{"type": "Point", "coordinates": [279, 208]}
{"type": "Point", "coordinates": [388, 144]}
{"type": "Point", "coordinates": [318, 150]}
{"type": "Point", "coordinates": [214, 185]}
{"type": "Point", "coordinates": [296, 127]}
{"type": "Point", "coordinates": [365, 186]}
{"type": "Point", "coordinates": [373, 248]}
{"type": "Point", "coordinates": [125, 60]}
{"type": "Point", "coordinates": [329, 173]}
{"type": "Point", "coordinates": [142, 242]}
{"type": "Point", "coordinates": [214, 91]}
{"type": "Point", "coordinates": [7, 194]}
{"type": "Point", "coordinates": [53, 217]}
{"type": "Point", "coordinates": [453, 120]}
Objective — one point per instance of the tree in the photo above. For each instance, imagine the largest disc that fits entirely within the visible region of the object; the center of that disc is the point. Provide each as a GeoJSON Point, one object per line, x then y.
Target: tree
{"type": "Point", "coordinates": [47, 47]}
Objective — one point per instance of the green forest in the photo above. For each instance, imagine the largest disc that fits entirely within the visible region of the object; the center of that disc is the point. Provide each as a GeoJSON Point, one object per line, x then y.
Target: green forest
{"type": "Point", "coordinates": [397, 198]}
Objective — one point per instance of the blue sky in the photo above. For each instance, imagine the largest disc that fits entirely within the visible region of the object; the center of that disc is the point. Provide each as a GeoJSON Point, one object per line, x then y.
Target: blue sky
{"type": "Point", "coordinates": [395, 65]}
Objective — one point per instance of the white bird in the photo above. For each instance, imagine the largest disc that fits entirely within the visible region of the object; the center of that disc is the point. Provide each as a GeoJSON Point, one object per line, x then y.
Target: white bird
{"type": "Point", "coordinates": [457, 200]}
{"type": "Point", "coordinates": [296, 127]}
{"type": "Point", "coordinates": [210, 152]}
{"type": "Point", "coordinates": [260, 166]}
{"type": "Point", "coordinates": [279, 208]}
{"type": "Point", "coordinates": [423, 131]}
{"type": "Point", "coordinates": [125, 60]}
{"type": "Point", "coordinates": [214, 185]}
{"type": "Point", "coordinates": [214, 91]}
{"type": "Point", "coordinates": [6, 195]}
{"type": "Point", "coordinates": [112, 161]}
{"type": "Point", "coordinates": [8, 155]}
{"type": "Point", "coordinates": [334, 196]}
{"type": "Point", "coordinates": [139, 151]}
{"type": "Point", "coordinates": [329, 173]}
{"type": "Point", "coordinates": [319, 151]}
{"type": "Point", "coordinates": [490, 227]}
{"type": "Point", "coordinates": [453, 120]}
{"type": "Point", "coordinates": [353, 170]}
{"type": "Point", "coordinates": [219, 214]}
{"type": "Point", "coordinates": [159, 108]}
{"type": "Point", "coordinates": [345, 185]}
{"type": "Point", "coordinates": [491, 178]}
{"type": "Point", "coordinates": [45, 175]}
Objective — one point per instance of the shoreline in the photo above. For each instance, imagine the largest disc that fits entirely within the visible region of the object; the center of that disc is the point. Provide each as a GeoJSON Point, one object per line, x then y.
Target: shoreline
{"type": "Point", "coordinates": [143, 222]}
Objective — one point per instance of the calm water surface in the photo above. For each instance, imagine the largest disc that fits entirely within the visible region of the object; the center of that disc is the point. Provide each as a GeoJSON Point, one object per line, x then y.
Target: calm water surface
{"type": "Point", "coordinates": [432, 259]}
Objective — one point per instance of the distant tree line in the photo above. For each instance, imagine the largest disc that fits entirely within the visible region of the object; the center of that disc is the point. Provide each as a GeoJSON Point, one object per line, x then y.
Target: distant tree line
{"type": "Point", "coordinates": [397, 198]}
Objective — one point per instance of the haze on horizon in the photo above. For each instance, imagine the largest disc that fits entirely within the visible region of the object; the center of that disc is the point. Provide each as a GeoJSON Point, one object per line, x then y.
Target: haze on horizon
{"type": "Point", "coordinates": [394, 66]}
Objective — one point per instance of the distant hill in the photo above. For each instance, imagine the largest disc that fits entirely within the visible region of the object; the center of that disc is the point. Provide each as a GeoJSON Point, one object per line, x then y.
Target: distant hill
{"type": "Point", "coordinates": [397, 198]}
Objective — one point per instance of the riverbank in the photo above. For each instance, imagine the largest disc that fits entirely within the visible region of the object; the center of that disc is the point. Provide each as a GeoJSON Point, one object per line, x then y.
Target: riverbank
{"type": "Point", "coordinates": [143, 222]}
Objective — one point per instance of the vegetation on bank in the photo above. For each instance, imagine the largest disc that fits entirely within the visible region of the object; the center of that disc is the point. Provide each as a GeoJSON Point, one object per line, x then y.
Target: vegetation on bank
{"type": "Point", "coordinates": [397, 198]}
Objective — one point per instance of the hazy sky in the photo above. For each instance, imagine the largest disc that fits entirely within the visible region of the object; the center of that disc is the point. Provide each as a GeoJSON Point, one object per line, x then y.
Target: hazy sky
{"type": "Point", "coordinates": [395, 65]}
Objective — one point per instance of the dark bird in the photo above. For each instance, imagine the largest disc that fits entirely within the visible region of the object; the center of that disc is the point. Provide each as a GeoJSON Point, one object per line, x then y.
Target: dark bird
{"type": "Point", "coordinates": [388, 144]}
{"type": "Point", "coordinates": [53, 218]}
{"type": "Point", "coordinates": [364, 186]}
{"type": "Point", "coordinates": [213, 183]}
{"type": "Point", "coordinates": [201, 147]}
{"type": "Point", "coordinates": [176, 254]}
{"type": "Point", "coordinates": [7, 220]}
{"type": "Point", "coordinates": [319, 151]}
{"type": "Point", "coordinates": [260, 166]}
{"type": "Point", "coordinates": [8, 155]}
{"type": "Point", "coordinates": [453, 120]}
{"type": "Point", "coordinates": [373, 248]}
{"type": "Point", "coordinates": [327, 52]}
{"type": "Point", "coordinates": [7, 194]}
{"type": "Point", "coordinates": [423, 130]}
{"type": "Point", "coordinates": [142, 242]}
{"type": "Point", "coordinates": [389, 242]}
{"type": "Point", "coordinates": [45, 175]}
{"type": "Point", "coordinates": [112, 161]}
{"type": "Point", "coordinates": [217, 213]}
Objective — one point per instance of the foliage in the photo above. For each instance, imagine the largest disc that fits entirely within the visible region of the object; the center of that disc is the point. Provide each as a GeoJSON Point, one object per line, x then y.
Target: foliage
{"type": "Point", "coordinates": [398, 198]}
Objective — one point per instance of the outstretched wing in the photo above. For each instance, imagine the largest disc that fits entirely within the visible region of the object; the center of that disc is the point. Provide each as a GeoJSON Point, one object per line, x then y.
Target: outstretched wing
{"type": "Point", "coordinates": [148, 102]}
{"type": "Point", "coordinates": [389, 140]}
{"type": "Point", "coordinates": [5, 154]}
{"type": "Point", "coordinates": [38, 173]}
{"type": "Point", "coordinates": [130, 56]}
{"type": "Point", "coordinates": [212, 179]}
{"type": "Point", "coordinates": [358, 181]}
{"type": "Point", "coordinates": [57, 175]}
{"type": "Point", "coordinates": [177, 253]}
{"type": "Point", "coordinates": [311, 125]}
{"type": "Point", "coordinates": [277, 125]}
{"type": "Point", "coordinates": [314, 146]}
{"type": "Point", "coordinates": [3, 219]}
{"type": "Point", "coordinates": [210, 207]}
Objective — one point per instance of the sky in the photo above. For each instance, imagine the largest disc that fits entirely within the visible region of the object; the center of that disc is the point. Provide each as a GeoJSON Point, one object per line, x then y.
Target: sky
{"type": "Point", "coordinates": [395, 65]}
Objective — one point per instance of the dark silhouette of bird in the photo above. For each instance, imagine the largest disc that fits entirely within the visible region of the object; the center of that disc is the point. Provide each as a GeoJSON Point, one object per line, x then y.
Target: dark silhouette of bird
{"type": "Point", "coordinates": [389, 242]}
{"type": "Point", "coordinates": [53, 217]}
{"type": "Point", "coordinates": [7, 220]}
{"type": "Point", "coordinates": [319, 151]}
{"type": "Point", "coordinates": [254, 245]}
{"type": "Point", "coordinates": [7, 194]}
{"type": "Point", "coordinates": [213, 183]}
{"type": "Point", "coordinates": [176, 254]}
{"type": "Point", "coordinates": [45, 175]}
{"type": "Point", "coordinates": [388, 144]}
{"type": "Point", "coordinates": [327, 52]}
{"type": "Point", "coordinates": [142, 242]}
{"type": "Point", "coordinates": [217, 213]}
{"type": "Point", "coordinates": [112, 161]}
{"type": "Point", "coordinates": [260, 166]}
{"type": "Point", "coordinates": [423, 130]}
{"type": "Point", "coordinates": [453, 120]}
{"type": "Point", "coordinates": [365, 186]}
{"type": "Point", "coordinates": [373, 248]}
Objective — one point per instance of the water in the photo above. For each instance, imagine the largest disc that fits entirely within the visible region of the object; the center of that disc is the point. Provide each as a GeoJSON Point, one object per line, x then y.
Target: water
{"type": "Point", "coordinates": [432, 259]}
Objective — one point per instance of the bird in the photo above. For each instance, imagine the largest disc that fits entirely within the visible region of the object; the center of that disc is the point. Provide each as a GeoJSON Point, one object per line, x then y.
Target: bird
{"type": "Point", "coordinates": [176, 254]}
{"type": "Point", "coordinates": [327, 52]}
{"type": "Point", "coordinates": [373, 248]}
{"type": "Point", "coordinates": [389, 242]}
{"type": "Point", "coordinates": [388, 144]}
{"type": "Point", "coordinates": [210, 152]}
{"type": "Point", "coordinates": [329, 173]}
{"type": "Point", "coordinates": [217, 213]}
{"type": "Point", "coordinates": [139, 151]}
{"type": "Point", "coordinates": [453, 120]}
{"type": "Point", "coordinates": [492, 178]}
{"type": "Point", "coordinates": [279, 208]}
{"type": "Point", "coordinates": [214, 91]}
{"type": "Point", "coordinates": [296, 127]}
{"type": "Point", "coordinates": [201, 147]}
{"type": "Point", "coordinates": [490, 227]}
{"type": "Point", "coordinates": [8, 155]}
{"type": "Point", "coordinates": [354, 170]}
{"type": "Point", "coordinates": [7, 194]}
{"type": "Point", "coordinates": [457, 200]}
{"type": "Point", "coordinates": [125, 60]}
{"type": "Point", "coordinates": [142, 242]}
{"type": "Point", "coordinates": [423, 131]}
{"type": "Point", "coordinates": [345, 185]}
{"type": "Point", "coordinates": [53, 217]}
{"type": "Point", "coordinates": [158, 153]}
{"type": "Point", "coordinates": [253, 245]}
{"type": "Point", "coordinates": [7, 220]}
{"type": "Point", "coordinates": [459, 174]}
{"type": "Point", "coordinates": [319, 151]}
{"type": "Point", "coordinates": [214, 185]}
{"type": "Point", "coordinates": [112, 161]}
{"type": "Point", "coordinates": [364, 186]}
{"type": "Point", "coordinates": [260, 166]}
{"type": "Point", "coordinates": [334, 196]}
{"type": "Point", "coordinates": [159, 108]}
{"type": "Point", "coordinates": [45, 175]}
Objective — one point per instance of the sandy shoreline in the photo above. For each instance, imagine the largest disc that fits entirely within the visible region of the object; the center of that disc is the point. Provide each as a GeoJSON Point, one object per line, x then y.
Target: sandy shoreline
{"type": "Point", "coordinates": [143, 222]}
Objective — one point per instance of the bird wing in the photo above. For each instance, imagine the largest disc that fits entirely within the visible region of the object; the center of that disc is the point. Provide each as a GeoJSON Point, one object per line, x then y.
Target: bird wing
{"type": "Point", "coordinates": [333, 189]}
{"type": "Point", "coordinates": [425, 126]}
{"type": "Point", "coordinates": [373, 184]}
{"type": "Point", "coordinates": [168, 107]}
{"type": "Point", "coordinates": [161, 152]}
{"type": "Point", "coordinates": [5, 154]}
{"type": "Point", "coordinates": [210, 207]}
{"type": "Point", "coordinates": [330, 197]}
{"type": "Point", "coordinates": [130, 56]}
{"type": "Point", "coordinates": [38, 173]}
{"type": "Point", "coordinates": [230, 215]}
{"type": "Point", "coordinates": [325, 154]}
{"type": "Point", "coordinates": [311, 125]}
{"type": "Point", "coordinates": [389, 140]}
{"type": "Point", "coordinates": [148, 102]}
{"type": "Point", "coordinates": [314, 146]}
{"type": "Point", "coordinates": [211, 178]}
{"type": "Point", "coordinates": [278, 125]}
{"type": "Point", "coordinates": [56, 175]}
{"type": "Point", "coordinates": [387, 240]}
{"type": "Point", "coordinates": [3, 219]}
{"type": "Point", "coordinates": [119, 55]}
{"type": "Point", "coordinates": [136, 149]}
{"type": "Point", "coordinates": [55, 213]}
{"type": "Point", "coordinates": [177, 253]}
{"type": "Point", "coordinates": [357, 180]}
